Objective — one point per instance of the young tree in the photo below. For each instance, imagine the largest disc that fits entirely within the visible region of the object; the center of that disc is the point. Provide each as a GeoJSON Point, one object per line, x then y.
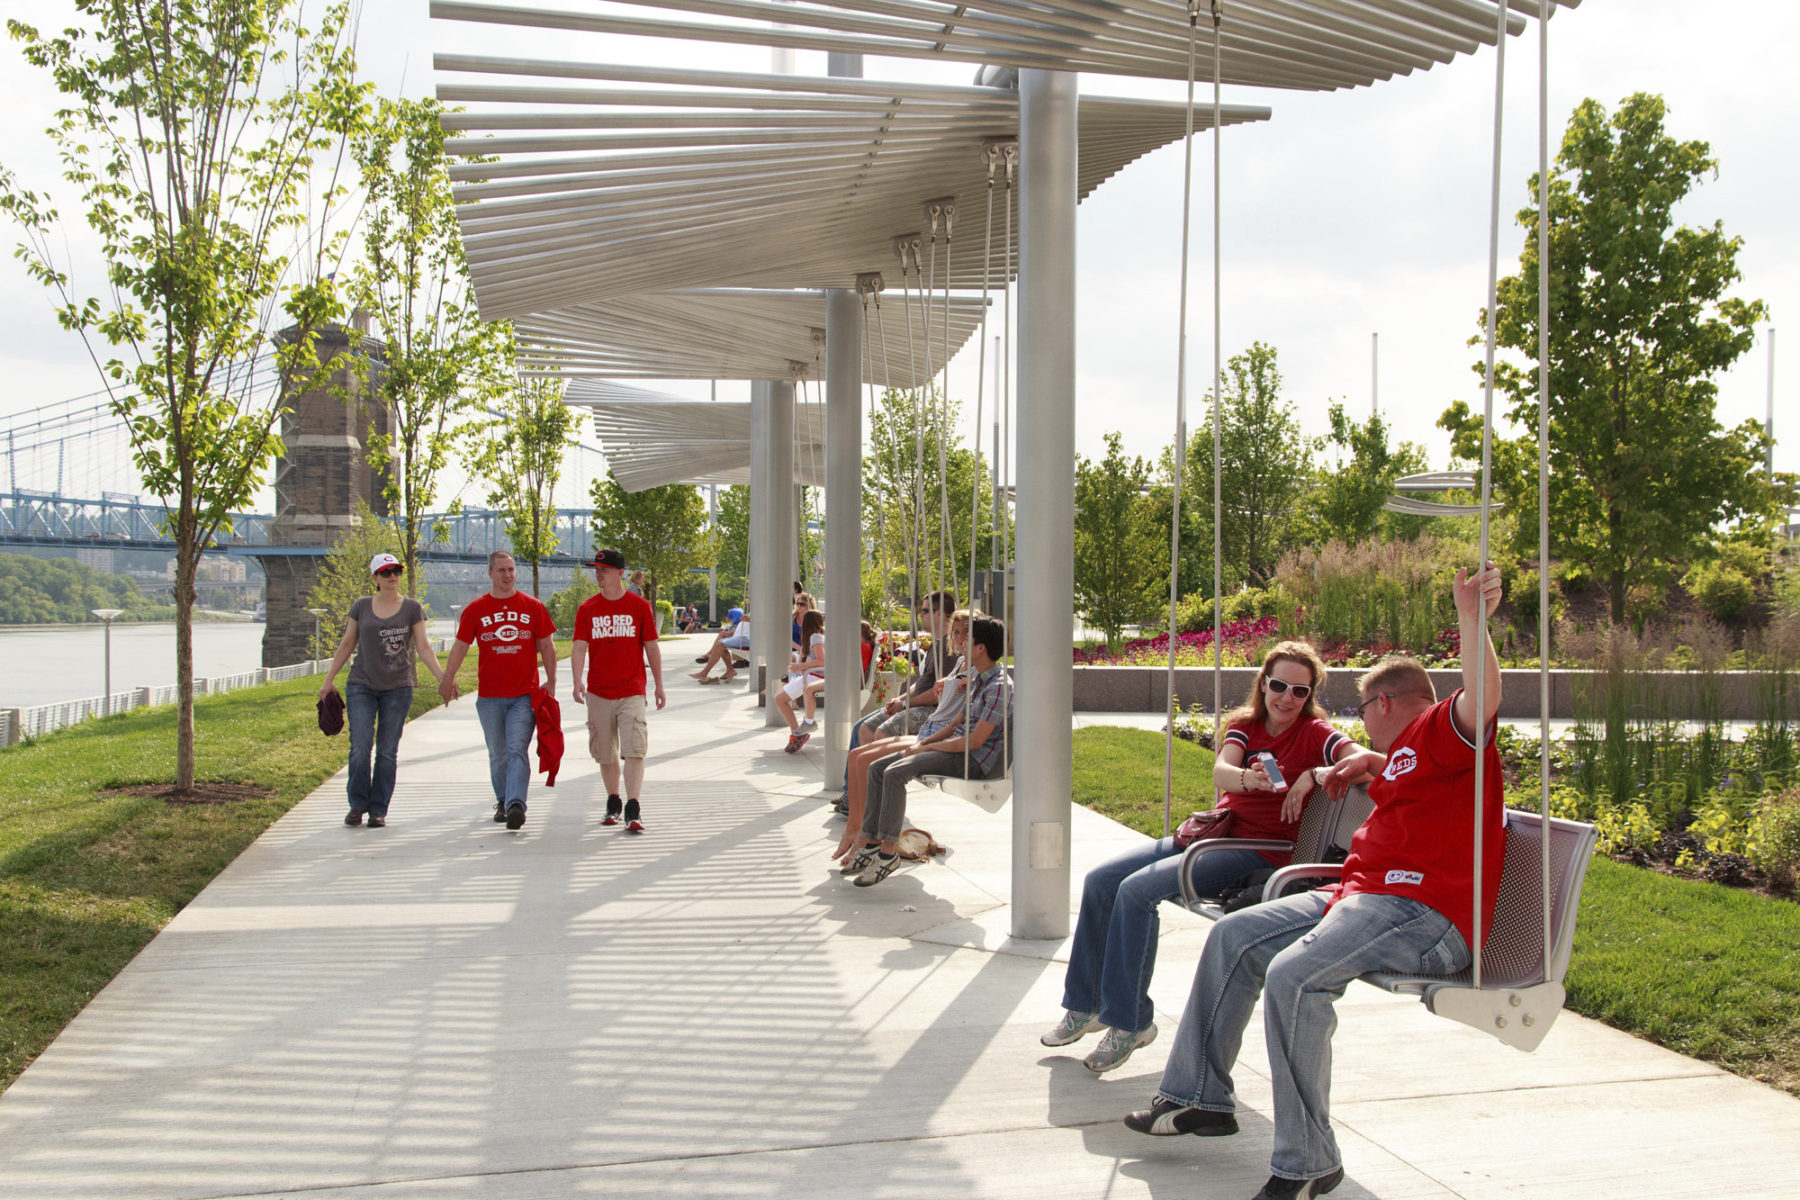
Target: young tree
{"type": "Point", "coordinates": [905, 492]}
{"type": "Point", "coordinates": [1116, 546]}
{"type": "Point", "coordinates": [1347, 502]}
{"type": "Point", "coordinates": [439, 363]}
{"type": "Point", "coordinates": [1266, 471]}
{"type": "Point", "coordinates": [204, 143]}
{"type": "Point", "coordinates": [660, 530]}
{"type": "Point", "coordinates": [1640, 325]}
{"type": "Point", "coordinates": [731, 540]}
{"type": "Point", "coordinates": [521, 459]}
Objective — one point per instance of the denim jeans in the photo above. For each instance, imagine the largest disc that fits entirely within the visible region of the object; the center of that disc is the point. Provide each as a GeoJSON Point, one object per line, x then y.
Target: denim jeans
{"type": "Point", "coordinates": [376, 720]}
{"type": "Point", "coordinates": [507, 723]}
{"type": "Point", "coordinates": [884, 809]}
{"type": "Point", "coordinates": [1114, 951]}
{"type": "Point", "coordinates": [1301, 959]}
{"type": "Point", "coordinates": [866, 724]}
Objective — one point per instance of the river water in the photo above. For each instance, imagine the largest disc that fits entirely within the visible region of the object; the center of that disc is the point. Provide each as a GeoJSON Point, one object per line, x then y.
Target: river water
{"type": "Point", "coordinates": [47, 664]}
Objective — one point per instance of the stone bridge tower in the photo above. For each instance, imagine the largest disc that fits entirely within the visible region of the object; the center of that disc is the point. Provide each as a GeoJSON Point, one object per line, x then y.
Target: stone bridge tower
{"type": "Point", "coordinates": [321, 477]}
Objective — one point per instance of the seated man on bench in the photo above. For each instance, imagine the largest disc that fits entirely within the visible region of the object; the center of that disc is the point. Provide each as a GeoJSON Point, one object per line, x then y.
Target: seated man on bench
{"type": "Point", "coordinates": [1404, 905]}
{"type": "Point", "coordinates": [981, 732]}
{"type": "Point", "coordinates": [734, 636]}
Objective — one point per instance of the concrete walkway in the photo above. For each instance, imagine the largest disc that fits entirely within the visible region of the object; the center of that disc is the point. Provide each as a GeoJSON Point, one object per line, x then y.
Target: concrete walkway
{"type": "Point", "coordinates": [446, 1009]}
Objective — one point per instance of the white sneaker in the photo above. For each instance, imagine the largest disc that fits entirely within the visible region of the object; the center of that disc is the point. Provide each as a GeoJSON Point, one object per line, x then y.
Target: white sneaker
{"type": "Point", "coordinates": [1072, 1028]}
{"type": "Point", "coordinates": [1116, 1046]}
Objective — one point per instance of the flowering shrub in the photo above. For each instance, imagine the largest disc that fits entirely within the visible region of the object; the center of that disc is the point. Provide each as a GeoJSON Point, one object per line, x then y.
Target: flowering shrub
{"type": "Point", "coordinates": [1241, 641]}
{"type": "Point", "coordinates": [1244, 643]}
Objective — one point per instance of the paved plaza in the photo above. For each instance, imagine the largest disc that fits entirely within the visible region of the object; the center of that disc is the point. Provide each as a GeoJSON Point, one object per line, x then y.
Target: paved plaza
{"type": "Point", "coordinates": [446, 1009]}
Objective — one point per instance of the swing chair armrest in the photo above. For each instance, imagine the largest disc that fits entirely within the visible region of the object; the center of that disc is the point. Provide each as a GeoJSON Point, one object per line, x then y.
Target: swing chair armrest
{"type": "Point", "coordinates": [1190, 856]}
{"type": "Point", "coordinates": [1286, 876]}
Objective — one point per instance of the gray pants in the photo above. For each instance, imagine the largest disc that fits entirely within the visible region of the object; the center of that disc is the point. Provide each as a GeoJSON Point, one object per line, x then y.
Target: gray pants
{"type": "Point", "coordinates": [906, 722]}
{"type": "Point", "coordinates": [884, 812]}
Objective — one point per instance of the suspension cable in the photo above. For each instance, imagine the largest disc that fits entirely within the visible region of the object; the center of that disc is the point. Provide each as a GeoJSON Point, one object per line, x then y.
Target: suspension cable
{"type": "Point", "coordinates": [1543, 233]}
{"type": "Point", "coordinates": [990, 155]}
{"type": "Point", "coordinates": [1187, 193]}
{"type": "Point", "coordinates": [1487, 465]}
{"type": "Point", "coordinates": [1218, 374]}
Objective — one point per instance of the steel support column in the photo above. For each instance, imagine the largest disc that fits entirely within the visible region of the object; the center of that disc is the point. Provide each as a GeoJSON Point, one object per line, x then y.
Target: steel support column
{"type": "Point", "coordinates": [843, 524]}
{"type": "Point", "coordinates": [771, 628]}
{"type": "Point", "coordinates": [1044, 611]}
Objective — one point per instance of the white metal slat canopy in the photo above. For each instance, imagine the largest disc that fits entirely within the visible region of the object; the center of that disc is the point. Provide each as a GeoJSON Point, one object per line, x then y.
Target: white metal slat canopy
{"type": "Point", "coordinates": [652, 439]}
{"type": "Point", "coordinates": [806, 187]}
{"type": "Point", "coordinates": [731, 334]}
{"type": "Point", "coordinates": [1316, 45]}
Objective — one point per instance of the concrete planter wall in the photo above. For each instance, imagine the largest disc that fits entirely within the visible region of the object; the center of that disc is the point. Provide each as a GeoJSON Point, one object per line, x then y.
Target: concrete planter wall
{"type": "Point", "coordinates": [1666, 693]}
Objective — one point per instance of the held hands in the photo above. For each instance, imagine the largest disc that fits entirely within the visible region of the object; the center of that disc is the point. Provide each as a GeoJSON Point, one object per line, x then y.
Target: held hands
{"type": "Point", "coordinates": [1484, 583]}
{"type": "Point", "coordinates": [447, 688]}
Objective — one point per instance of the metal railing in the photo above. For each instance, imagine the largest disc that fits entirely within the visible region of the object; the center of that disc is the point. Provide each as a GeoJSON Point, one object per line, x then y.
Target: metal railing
{"type": "Point", "coordinates": [17, 724]}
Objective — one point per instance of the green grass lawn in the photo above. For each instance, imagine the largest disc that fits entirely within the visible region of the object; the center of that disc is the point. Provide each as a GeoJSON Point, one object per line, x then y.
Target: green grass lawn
{"type": "Point", "coordinates": [87, 879]}
{"type": "Point", "coordinates": [1709, 971]}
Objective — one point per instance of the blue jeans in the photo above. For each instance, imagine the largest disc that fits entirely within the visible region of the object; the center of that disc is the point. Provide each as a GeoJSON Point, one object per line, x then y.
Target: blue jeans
{"type": "Point", "coordinates": [376, 720]}
{"type": "Point", "coordinates": [1114, 951]}
{"type": "Point", "coordinates": [1301, 960]}
{"type": "Point", "coordinates": [507, 723]}
{"type": "Point", "coordinates": [856, 735]}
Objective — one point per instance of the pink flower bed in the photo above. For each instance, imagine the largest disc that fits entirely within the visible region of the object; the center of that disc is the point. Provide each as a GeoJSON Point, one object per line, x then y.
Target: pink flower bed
{"type": "Point", "coordinates": [1240, 640]}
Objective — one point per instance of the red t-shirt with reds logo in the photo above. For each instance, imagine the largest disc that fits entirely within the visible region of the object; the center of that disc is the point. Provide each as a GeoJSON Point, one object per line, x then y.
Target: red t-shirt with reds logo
{"type": "Point", "coordinates": [1308, 742]}
{"type": "Point", "coordinates": [505, 634]}
{"type": "Point", "coordinates": [1420, 840]}
{"type": "Point", "coordinates": [615, 632]}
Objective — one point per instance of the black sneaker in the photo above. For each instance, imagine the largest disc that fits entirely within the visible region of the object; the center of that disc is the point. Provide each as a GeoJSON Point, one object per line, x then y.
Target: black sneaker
{"type": "Point", "coordinates": [499, 812]}
{"type": "Point", "coordinates": [614, 806]}
{"type": "Point", "coordinates": [1299, 1189]}
{"type": "Point", "coordinates": [353, 818]}
{"type": "Point", "coordinates": [1165, 1118]}
{"type": "Point", "coordinates": [633, 817]}
{"type": "Point", "coordinates": [377, 822]}
{"type": "Point", "coordinates": [701, 660]}
{"type": "Point", "coordinates": [739, 664]}
{"type": "Point", "coordinates": [515, 816]}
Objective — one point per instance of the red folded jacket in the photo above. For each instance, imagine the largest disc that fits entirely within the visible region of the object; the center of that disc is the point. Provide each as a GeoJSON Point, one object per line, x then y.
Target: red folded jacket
{"type": "Point", "coordinates": [549, 733]}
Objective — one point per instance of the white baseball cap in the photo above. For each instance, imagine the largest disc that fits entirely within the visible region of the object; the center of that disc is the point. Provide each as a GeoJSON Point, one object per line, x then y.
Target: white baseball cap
{"type": "Point", "coordinates": [382, 560]}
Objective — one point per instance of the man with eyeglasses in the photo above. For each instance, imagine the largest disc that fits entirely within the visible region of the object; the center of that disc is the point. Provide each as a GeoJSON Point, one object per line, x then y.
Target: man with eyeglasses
{"type": "Point", "coordinates": [1404, 904]}
{"type": "Point", "coordinates": [904, 714]}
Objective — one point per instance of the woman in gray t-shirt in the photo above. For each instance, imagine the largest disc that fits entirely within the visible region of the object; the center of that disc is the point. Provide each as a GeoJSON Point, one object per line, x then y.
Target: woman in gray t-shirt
{"type": "Point", "coordinates": [384, 631]}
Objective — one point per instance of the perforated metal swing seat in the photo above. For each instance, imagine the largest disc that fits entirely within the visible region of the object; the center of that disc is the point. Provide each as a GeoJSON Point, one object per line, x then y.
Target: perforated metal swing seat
{"type": "Point", "coordinates": [1521, 989]}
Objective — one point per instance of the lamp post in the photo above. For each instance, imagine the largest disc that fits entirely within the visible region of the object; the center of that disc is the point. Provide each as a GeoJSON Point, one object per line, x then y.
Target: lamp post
{"type": "Point", "coordinates": [107, 615]}
{"type": "Point", "coordinates": [316, 614]}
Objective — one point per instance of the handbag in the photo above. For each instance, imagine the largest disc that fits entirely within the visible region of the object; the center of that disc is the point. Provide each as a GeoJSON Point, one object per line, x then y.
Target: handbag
{"type": "Point", "coordinates": [1213, 823]}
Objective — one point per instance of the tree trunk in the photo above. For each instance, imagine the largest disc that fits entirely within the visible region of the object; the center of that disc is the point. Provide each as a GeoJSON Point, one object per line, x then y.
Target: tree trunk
{"type": "Point", "coordinates": [187, 561]}
{"type": "Point", "coordinates": [1615, 590]}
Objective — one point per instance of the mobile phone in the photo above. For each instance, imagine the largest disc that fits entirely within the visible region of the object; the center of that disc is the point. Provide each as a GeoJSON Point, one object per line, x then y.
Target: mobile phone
{"type": "Point", "coordinates": [1272, 768]}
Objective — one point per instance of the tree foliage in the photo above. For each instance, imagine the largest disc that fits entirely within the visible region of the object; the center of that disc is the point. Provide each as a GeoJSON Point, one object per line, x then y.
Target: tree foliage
{"type": "Point", "coordinates": [49, 591]}
{"type": "Point", "coordinates": [919, 486]}
{"type": "Point", "coordinates": [1265, 475]}
{"type": "Point", "coordinates": [204, 147]}
{"type": "Point", "coordinates": [521, 456]}
{"type": "Point", "coordinates": [1116, 544]}
{"type": "Point", "coordinates": [1347, 502]}
{"type": "Point", "coordinates": [731, 539]}
{"type": "Point", "coordinates": [439, 363]}
{"type": "Point", "coordinates": [660, 530]}
{"type": "Point", "coordinates": [1642, 473]}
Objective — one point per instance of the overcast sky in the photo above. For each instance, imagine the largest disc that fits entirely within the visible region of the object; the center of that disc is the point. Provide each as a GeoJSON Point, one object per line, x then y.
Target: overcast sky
{"type": "Point", "coordinates": [1346, 214]}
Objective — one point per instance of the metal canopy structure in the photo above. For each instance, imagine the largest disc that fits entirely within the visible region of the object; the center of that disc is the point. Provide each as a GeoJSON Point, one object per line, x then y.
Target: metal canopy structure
{"type": "Point", "coordinates": [734, 333]}
{"type": "Point", "coordinates": [690, 179]}
{"type": "Point", "coordinates": [1314, 45]}
{"type": "Point", "coordinates": [652, 439]}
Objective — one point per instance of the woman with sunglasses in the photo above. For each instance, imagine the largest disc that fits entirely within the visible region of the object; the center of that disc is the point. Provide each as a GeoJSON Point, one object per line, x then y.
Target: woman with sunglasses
{"type": "Point", "coordinates": [384, 631]}
{"type": "Point", "coordinates": [1107, 985]}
